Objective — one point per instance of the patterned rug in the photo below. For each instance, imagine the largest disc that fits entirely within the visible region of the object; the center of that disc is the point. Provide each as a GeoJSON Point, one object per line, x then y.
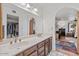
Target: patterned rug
{"type": "Point", "coordinates": [67, 46]}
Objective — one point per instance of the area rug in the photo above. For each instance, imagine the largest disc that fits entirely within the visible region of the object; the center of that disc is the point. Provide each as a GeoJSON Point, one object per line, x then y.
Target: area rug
{"type": "Point", "coordinates": [67, 46]}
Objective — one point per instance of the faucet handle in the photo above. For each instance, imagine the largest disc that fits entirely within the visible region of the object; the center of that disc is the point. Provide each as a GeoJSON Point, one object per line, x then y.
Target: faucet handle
{"type": "Point", "coordinates": [19, 40]}
{"type": "Point", "coordinates": [11, 42]}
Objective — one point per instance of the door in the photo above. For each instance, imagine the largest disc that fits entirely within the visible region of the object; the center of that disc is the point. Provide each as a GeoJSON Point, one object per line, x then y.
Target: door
{"type": "Point", "coordinates": [32, 26]}
{"type": "Point", "coordinates": [77, 24]}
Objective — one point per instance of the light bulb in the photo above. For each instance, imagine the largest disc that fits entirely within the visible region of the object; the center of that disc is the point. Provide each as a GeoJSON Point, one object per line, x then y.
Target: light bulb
{"type": "Point", "coordinates": [28, 6]}
{"type": "Point", "coordinates": [23, 4]}
{"type": "Point", "coordinates": [35, 9]}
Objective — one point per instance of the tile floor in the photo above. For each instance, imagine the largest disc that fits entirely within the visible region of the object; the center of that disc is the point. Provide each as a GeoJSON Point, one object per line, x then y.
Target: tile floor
{"type": "Point", "coordinates": [56, 53]}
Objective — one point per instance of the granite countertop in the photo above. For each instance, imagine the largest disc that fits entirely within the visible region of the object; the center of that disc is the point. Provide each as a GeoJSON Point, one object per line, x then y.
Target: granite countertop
{"type": "Point", "coordinates": [7, 49]}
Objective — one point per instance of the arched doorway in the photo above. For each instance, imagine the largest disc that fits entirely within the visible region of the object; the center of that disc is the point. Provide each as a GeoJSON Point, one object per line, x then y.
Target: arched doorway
{"type": "Point", "coordinates": [66, 27]}
{"type": "Point", "coordinates": [32, 26]}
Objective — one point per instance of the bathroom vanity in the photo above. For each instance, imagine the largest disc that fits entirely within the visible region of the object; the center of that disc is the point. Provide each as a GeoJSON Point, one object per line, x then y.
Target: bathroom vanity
{"type": "Point", "coordinates": [39, 49]}
{"type": "Point", "coordinates": [33, 46]}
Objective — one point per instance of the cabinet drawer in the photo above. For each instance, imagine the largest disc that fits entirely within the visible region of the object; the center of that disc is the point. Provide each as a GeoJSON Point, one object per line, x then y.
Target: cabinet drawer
{"type": "Point", "coordinates": [51, 38]}
{"type": "Point", "coordinates": [20, 54]}
{"type": "Point", "coordinates": [42, 54]}
{"type": "Point", "coordinates": [33, 54]}
{"type": "Point", "coordinates": [46, 49]}
{"type": "Point", "coordinates": [40, 44]}
{"type": "Point", "coordinates": [41, 50]}
{"type": "Point", "coordinates": [47, 40]}
{"type": "Point", "coordinates": [30, 51]}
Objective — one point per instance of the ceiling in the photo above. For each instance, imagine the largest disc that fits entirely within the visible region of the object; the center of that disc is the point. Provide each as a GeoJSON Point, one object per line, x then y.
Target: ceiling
{"type": "Point", "coordinates": [60, 9]}
{"type": "Point", "coordinates": [66, 13]}
{"type": "Point", "coordinates": [65, 9]}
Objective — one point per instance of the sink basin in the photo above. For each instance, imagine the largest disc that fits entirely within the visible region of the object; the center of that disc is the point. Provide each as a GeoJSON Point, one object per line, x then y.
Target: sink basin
{"type": "Point", "coordinates": [16, 46]}
{"type": "Point", "coordinates": [20, 44]}
{"type": "Point", "coordinates": [3, 53]}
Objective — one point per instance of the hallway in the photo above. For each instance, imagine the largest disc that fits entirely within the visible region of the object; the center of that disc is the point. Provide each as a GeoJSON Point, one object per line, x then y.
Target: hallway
{"type": "Point", "coordinates": [68, 47]}
{"type": "Point", "coordinates": [59, 53]}
{"type": "Point", "coordinates": [66, 30]}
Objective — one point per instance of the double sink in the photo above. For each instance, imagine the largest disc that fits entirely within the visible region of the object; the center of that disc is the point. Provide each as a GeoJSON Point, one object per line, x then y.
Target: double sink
{"type": "Point", "coordinates": [8, 49]}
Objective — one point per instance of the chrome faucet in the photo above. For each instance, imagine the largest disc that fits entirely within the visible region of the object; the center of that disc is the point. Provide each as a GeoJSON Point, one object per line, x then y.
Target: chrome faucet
{"type": "Point", "coordinates": [15, 39]}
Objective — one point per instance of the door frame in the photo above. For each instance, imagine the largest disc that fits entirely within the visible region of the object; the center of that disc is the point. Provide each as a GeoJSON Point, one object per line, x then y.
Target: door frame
{"type": "Point", "coordinates": [31, 26]}
{"type": "Point", "coordinates": [1, 27]}
{"type": "Point", "coordinates": [77, 31]}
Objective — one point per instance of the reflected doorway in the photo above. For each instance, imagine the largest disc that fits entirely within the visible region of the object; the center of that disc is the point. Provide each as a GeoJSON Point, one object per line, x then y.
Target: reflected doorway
{"type": "Point", "coordinates": [32, 26]}
{"type": "Point", "coordinates": [12, 26]}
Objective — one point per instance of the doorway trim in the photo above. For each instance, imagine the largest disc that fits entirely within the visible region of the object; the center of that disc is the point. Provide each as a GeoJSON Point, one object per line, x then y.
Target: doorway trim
{"type": "Point", "coordinates": [1, 30]}
{"type": "Point", "coordinates": [31, 23]}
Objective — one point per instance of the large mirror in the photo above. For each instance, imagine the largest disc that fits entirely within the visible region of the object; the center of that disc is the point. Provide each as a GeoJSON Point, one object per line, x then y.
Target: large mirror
{"type": "Point", "coordinates": [12, 26]}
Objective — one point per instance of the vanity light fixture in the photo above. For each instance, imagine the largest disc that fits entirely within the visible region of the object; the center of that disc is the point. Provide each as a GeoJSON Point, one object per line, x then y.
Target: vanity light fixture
{"type": "Point", "coordinates": [23, 4]}
{"type": "Point", "coordinates": [28, 6]}
{"type": "Point", "coordinates": [35, 9]}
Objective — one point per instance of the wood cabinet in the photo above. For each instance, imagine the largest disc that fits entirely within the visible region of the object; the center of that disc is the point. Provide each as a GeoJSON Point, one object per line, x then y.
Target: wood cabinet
{"type": "Point", "coordinates": [50, 44]}
{"type": "Point", "coordinates": [20, 54]}
{"type": "Point", "coordinates": [42, 54]}
{"type": "Point", "coordinates": [46, 47]}
{"type": "Point", "coordinates": [31, 51]}
{"type": "Point", "coordinates": [1, 31]}
{"type": "Point", "coordinates": [40, 49]}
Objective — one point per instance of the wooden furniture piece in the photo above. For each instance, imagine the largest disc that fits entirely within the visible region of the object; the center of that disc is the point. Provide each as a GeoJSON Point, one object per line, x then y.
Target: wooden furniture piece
{"type": "Point", "coordinates": [50, 44]}
{"type": "Point", "coordinates": [47, 46]}
{"type": "Point", "coordinates": [70, 34]}
{"type": "Point", "coordinates": [20, 54]}
{"type": "Point", "coordinates": [31, 51]}
{"type": "Point", "coordinates": [61, 33]}
{"type": "Point", "coordinates": [1, 31]}
{"type": "Point", "coordinates": [40, 49]}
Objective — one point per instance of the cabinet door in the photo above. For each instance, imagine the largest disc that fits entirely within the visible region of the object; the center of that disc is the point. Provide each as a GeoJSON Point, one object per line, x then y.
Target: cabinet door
{"type": "Point", "coordinates": [50, 44]}
{"type": "Point", "coordinates": [33, 54]}
{"type": "Point", "coordinates": [41, 51]}
{"type": "Point", "coordinates": [40, 44]}
{"type": "Point", "coordinates": [20, 54]}
{"type": "Point", "coordinates": [41, 48]}
{"type": "Point", "coordinates": [46, 48]}
{"type": "Point", "coordinates": [31, 51]}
